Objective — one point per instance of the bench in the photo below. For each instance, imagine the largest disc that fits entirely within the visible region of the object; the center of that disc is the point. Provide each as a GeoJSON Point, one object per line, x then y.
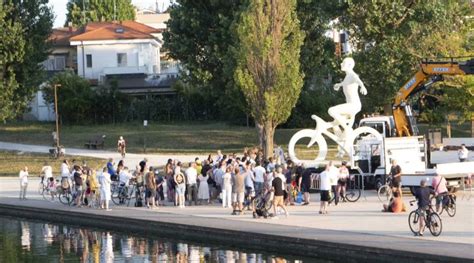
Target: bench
{"type": "Point", "coordinates": [96, 142]}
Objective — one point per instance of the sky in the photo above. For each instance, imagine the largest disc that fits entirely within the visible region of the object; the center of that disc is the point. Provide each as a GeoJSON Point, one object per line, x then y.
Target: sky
{"type": "Point", "coordinates": [59, 8]}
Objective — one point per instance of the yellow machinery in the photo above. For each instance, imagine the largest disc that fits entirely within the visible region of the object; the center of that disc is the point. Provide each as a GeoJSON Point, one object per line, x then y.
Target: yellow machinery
{"type": "Point", "coordinates": [429, 73]}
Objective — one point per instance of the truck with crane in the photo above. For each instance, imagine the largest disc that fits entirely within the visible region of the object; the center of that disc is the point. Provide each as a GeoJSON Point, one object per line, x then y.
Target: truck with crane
{"type": "Point", "coordinates": [401, 139]}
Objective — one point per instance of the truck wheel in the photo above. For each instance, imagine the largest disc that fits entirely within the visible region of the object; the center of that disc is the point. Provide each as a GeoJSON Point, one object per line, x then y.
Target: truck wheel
{"type": "Point", "coordinates": [413, 189]}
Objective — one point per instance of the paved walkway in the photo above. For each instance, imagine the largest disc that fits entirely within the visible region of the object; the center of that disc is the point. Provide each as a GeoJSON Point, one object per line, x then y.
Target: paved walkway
{"type": "Point", "coordinates": [154, 159]}
{"type": "Point", "coordinates": [359, 223]}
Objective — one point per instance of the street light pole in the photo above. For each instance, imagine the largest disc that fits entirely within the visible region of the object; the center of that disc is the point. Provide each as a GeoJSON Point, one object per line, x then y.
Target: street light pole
{"type": "Point", "coordinates": [57, 114]}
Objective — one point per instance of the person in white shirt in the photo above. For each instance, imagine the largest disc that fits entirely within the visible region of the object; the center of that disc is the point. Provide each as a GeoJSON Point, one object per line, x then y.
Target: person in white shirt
{"type": "Point", "coordinates": [333, 172]}
{"type": "Point", "coordinates": [105, 194]}
{"type": "Point", "coordinates": [191, 183]}
{"type": "Point", "coordinates": [324, 187]}
{"type": "Point", "coordinates": [23, 182]}
{"type": "Point", "coordinates": [259, 172]}
{"type": "Point", "coordinates": [46, 172]}
{"type": "Point", "coordinates": [125, 177]}
{"type": "Point", "coordinates": [227, 188]}
{"type": "Point", "coordinates": [463, 153]}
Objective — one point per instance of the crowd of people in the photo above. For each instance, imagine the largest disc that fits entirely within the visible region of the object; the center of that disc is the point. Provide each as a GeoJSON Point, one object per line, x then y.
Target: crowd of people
{"type": "Point", "coordinates": [233, 181]}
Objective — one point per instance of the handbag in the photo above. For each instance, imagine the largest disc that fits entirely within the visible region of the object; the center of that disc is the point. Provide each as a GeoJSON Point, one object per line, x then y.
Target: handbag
{"type": "Point", "coordinates": [299, 198]}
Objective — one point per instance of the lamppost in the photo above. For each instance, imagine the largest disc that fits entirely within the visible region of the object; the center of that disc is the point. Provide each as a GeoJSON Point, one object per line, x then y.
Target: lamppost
{"type": "Point", "coordinates": [56, 86]}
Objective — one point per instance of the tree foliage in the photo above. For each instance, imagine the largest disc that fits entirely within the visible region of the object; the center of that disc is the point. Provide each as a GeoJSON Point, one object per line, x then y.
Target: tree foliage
{"type": "Point", "coordinates": [391, 37]}
{"type": "Point", "coordinates": [267, 51]}
{"type": "Point", "coordinates": [199, 36]}
{"type": "Point", "coordinates": [12, 51]}
{"type": "Point", "coordinates": [79, 12]}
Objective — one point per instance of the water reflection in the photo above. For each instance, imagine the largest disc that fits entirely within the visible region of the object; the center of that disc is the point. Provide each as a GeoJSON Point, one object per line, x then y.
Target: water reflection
{"type": "Point", "coordinates": [45, 242]}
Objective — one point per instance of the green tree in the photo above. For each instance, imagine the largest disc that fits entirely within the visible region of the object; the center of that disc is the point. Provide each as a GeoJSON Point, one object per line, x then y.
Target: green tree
{"type": "Point", "coordinates": [267, 52]}
{"type": "Point", "coordinates": [75, 97]}
{"type": "Point", "coordinates": [199, 36]}
{"type": "Point", "coordinates": [12, 51]}
{"type": "Point", "coordinates": [391, 37]}
{"type": "Point", "coordinates": [36, 19]}
{"type": "Point", "coordinates": [79, 12]}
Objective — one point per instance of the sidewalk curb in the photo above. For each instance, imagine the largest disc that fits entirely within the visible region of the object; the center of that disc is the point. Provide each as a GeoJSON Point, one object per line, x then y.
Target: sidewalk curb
{"type": "Point", "coordinates": [272, 243]}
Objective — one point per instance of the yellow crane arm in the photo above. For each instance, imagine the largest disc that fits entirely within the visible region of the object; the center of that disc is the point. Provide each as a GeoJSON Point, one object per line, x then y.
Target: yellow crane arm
{"type": "Point", "coordinates": [429, 73]}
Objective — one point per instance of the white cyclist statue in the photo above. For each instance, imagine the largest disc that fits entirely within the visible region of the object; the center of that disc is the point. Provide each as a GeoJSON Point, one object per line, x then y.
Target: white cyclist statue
{"type": "Point", "coordinates": [344, 114]}
{"type": "Point", "coordinates": [340, 129]}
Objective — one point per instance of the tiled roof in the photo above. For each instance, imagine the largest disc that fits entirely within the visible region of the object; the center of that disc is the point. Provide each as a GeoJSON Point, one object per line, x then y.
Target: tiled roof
{"type": "Point", "coordinates": [115, 31]}
{"type": "Point", "coordinates": [60, 36]}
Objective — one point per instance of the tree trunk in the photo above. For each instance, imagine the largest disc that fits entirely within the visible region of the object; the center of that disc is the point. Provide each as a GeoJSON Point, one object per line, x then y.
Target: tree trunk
{"type": "Point", "coordinates": [268, 134]}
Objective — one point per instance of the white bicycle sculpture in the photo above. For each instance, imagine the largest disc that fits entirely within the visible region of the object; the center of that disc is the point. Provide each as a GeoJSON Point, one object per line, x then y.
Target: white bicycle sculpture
{"type": "Point", "coordinates": [345, 139]}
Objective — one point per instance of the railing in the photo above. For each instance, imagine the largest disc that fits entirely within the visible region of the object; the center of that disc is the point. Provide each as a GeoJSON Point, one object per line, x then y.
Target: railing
{"type": "Point", "coordinates": [124, 70]}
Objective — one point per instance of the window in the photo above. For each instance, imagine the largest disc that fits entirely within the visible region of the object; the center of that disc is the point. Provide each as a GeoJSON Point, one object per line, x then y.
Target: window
{"type": "Point", "coordinates": [89, 60]}
{"type": "Point", "coordinates": [122, 59]}
{"type": "Point", "coordinates": [60, 63]}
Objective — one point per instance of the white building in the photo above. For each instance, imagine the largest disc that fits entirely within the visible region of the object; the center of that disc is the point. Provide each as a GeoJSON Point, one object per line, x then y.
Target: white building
{"type": "Point", "coordinates": [117, 48]}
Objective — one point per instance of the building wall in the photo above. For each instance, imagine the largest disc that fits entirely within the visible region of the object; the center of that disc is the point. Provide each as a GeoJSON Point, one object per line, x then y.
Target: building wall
{"type": "Point", "coordinates": [40, 110]}
{"type": "Point", "coordinates": [141, 58]}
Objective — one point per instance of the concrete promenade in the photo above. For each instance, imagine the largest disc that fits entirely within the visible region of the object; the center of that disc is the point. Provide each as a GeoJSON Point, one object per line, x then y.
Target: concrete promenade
{"type": "Point", "coordinates": [356, 230]}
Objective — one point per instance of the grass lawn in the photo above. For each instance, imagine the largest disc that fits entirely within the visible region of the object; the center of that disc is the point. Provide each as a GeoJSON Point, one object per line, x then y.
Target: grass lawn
{"type": "Point", "coordinates": [181, 137]}
{"type": "Point", "coordinates": [13, 162]}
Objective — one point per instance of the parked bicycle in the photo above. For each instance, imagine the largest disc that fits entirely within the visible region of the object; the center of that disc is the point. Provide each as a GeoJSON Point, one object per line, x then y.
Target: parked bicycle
{"type": "Point", "coordinates": [352, 193]}
{"type": "Point", "coordinates": [431, 219]}
{"type": "Point", "coordinates": [385, 192]}
{"type": "Point", "coordinates": [124, 194]}
{"type": "Point", "coordinates": [65, 196]}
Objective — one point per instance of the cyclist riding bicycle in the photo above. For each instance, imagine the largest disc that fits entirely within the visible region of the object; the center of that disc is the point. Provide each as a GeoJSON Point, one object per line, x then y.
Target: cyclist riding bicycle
{"type": "Point", "coordinates": [422, 195]}
{"type": "Point", "coordinates": [124, 178]}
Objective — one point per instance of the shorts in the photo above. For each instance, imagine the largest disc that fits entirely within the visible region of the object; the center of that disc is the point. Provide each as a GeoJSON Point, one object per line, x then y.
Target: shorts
{"type": "Point", "coordinates": [238, 197]}
{"type": "Point", "coordinates": [250, 191]}
{"type": "Point", "coordinates": [423, 211]}
{"type": "Point", "coordinates": [305, 188]}
{"type": "Point", "coordinates": [78, 189]}
{"type": "Point", "coordinates": [342, 182]}
{"type": "Point", "coordinates": [443, 197]}
{"type": "Point", "coordinates": [278, 200]}
{"type": "Point", "coordinates": [180, 189]}
{"type": "Point", "coordinates": [325, 196]}
{"type": "Point", "coordinates": [396, 184]}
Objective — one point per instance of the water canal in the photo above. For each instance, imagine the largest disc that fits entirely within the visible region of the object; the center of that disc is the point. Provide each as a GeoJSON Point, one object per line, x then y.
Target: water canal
{"type": "Point", "coordinates": [23, 240]}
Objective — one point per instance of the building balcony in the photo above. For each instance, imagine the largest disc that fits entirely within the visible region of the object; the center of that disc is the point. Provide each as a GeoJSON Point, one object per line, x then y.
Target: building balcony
{"type": "Point", "coordinates": [125, 70]}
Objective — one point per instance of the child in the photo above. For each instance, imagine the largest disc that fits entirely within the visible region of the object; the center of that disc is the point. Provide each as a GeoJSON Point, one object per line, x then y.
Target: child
{"type": "Point", "coordinates": [52, 187]}
{"type": "Point", "coordinates": [422, 194]}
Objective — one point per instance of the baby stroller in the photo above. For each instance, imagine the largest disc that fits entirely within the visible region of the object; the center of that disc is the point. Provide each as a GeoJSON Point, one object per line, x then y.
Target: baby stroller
{"type": "Point", "coordinates": [262, 205]}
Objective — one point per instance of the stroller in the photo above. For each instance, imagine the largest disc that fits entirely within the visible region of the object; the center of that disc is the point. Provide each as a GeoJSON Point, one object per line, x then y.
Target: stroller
{"type": "Point", "coordinates": [262, 205]}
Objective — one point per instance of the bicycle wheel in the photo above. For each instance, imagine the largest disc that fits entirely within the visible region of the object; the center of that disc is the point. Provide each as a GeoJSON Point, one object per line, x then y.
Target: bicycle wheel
{"type": "Point", "coordinates": [65, 198]}
{"type": "Point", "coordinates": [318, 148]}
{"type": "Point", "coordinates": [435, 225]}
{"type": "Point", "coordinates": [384, 193]}
{"type": "Point", "coordinates": [117, 196]}
{"type": "Point", "coordinates": [361, 134]}
{"type": "Point", "coordinates": [353, 194]}
{"type": "Point", "coordinates": [451, 206]}
{"type": "Point", "coordinates": [47, 195]}
{"type": "Point", "coordinates": [413, 218]}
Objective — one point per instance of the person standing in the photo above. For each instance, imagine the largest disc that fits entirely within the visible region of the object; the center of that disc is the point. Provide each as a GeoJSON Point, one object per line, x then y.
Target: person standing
{"type": "Point", "coordinates": [105, 194]}
{"type": "Point", "coordinates": [150, 184]}
{"type": "Point", "coordinates": [23, 182]}
{"type": "Point", "coordinates": [191, 183]}
{"type": "Point", "coordinates": [396, 173]}
{"type": "Point", "coordinates": [439, 185]}
{"type": "Point", "coordinates": [324, 187]}
{"type": "Point", "coordinates": [203, 192]}
{"type": "Point", "coordinates": [259, 172]}
{"type": "Point", "coordinates": [78, 182]}
{"type": "Point", "coordinates": [227, 188]}
{"type": "Point", "coordinates": [121, 146]}
{"type": "Point", "coordinates": [341, 182]}
{"type": "Point", "coordinates": [278, 189]}
{"type": "Point", "coordinates": [304, 185]}
{"type": "Point", "coordinates": [238, 191]}
{"type": "Point", "coordinates": [333, 174]}
{"type": "Point", "coordinates": [65, 174]}
{"type": "Point", "coordinates": [180, 182]}
{"type": "Point", "coordinates": [463, 153]}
